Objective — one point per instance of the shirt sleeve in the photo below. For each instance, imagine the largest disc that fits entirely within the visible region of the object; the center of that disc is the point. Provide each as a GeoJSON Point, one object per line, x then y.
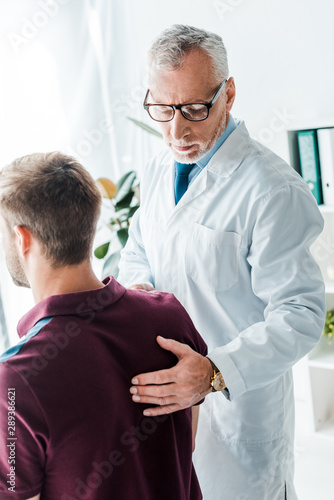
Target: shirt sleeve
{"type": "Point", "coordinates": [134, 266]}
{"type": "Point", "coordinates": [22, 437]}
{"type": "Point", "coordinates": [187, 332]}
{"type": "Point", "coordinates": [286, 278]}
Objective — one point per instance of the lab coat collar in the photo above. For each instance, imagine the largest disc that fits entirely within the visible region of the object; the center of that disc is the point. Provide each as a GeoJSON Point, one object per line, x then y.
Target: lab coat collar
{"type": "Point", "coordinates": [223, 163]}
{"type": "Point", "coordinates": [228, 157]}
{"type": "Point", "coordinates": [231, 153]}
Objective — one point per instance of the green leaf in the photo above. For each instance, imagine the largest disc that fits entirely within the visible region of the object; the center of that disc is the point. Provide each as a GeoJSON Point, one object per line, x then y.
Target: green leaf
{"type": "Point", "coordinates": [132, 211]}
{"type": "Point", "coordinates": [101, 251]}
{"type": "Point", "coordinates": [123, 235]}
{"type": "Point", "coordinates": [143, 126]}
{"type": "Point", "coordinates": [124, 185]}
{"type": "Point", "coordinates": [124, 202]}
{"type": "Point", "coordinates": [126, 213]}
{"type": "Point", "coordinates": [111, 265]}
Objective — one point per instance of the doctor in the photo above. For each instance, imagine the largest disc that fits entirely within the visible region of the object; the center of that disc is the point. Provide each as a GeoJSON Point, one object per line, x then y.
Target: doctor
{"type": "Point", "coordinates": [225, 225]}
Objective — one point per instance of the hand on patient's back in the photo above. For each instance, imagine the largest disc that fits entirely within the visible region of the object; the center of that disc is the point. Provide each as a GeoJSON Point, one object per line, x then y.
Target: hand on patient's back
{"type": "Point", "coordinates": [175, 388]}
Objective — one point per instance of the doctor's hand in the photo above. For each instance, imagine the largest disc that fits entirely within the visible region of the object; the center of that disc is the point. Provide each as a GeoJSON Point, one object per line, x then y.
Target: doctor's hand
{"type": "Point", "coordinates": [142, 286]}
{"type": "Point", "coordinates": [176, 388]}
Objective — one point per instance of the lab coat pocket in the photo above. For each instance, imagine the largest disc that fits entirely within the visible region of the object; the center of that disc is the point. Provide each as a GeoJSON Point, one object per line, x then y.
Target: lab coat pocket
{"type": "Point", "coordinates": [255, 417]}
{"type": "Point", "coordinates": [212, 257]}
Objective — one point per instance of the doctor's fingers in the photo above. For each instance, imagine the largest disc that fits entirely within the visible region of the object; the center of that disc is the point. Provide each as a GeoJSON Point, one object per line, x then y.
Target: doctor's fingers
{"type": "Point", "coordinates": [168, 405]}
{"type": "Point", "coordinates": [165, 405]}
{"type": "Point", "coordinates": [154, 391]}
{"type": "Point", "coordinates": [160, 377]}
{"type": "Point", "coordinates": [142, 286]}
{"type": "Point", "coordinates": [183, 399]}
{"type": "Point", "coordinates": [161, 410]}
{"type": "Point", "coordinates": [158, 402]}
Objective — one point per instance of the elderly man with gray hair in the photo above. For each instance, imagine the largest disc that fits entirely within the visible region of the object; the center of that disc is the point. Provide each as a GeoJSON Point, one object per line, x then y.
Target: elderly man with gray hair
{"type": "Point", "coordinates": [226, 226]}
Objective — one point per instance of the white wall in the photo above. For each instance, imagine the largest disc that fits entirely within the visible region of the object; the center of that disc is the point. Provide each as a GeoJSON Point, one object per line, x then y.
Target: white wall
{"type": "Point", "coordinates": [281, 55]}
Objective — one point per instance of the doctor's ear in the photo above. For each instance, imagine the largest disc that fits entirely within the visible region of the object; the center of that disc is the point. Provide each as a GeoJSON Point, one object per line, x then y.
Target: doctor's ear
{"type": "Point", "coordinates": [23, 239]}
{"type": "Point", "coordinates": [230, 93]}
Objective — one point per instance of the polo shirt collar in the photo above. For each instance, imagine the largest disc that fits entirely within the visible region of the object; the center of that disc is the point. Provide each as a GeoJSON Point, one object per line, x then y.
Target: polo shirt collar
{"type": "Point", "coordinates": [72, 304]}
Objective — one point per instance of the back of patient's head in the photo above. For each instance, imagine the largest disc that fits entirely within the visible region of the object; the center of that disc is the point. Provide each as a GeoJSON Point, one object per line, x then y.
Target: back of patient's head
{"type": "Point", "coordinates": [57, 200]}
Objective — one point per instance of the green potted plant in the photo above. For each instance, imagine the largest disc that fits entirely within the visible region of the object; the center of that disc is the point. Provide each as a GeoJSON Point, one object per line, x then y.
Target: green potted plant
{"type": "Point", "coordinates": [122, 203]}
{"type": "Point", "coordinates": [329, 325]}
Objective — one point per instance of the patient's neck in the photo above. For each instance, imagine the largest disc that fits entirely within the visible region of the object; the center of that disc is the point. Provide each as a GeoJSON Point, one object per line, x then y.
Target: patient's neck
{"type": "Point", "coordinates": [46, 281]}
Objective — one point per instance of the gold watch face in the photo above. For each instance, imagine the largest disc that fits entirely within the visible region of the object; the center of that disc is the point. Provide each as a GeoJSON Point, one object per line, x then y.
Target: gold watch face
{"type": "Point", "coordinates": [218, 382]}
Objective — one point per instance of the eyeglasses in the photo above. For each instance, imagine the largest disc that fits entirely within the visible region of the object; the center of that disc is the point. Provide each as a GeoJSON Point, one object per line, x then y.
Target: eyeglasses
{"type": "Point", "coordinates": [195, 112]}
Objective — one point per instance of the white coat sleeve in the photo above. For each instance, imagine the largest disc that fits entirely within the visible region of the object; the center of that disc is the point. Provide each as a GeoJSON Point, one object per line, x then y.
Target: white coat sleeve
{"type": "Point", "coordinates": [134, 266]}
{"type": "Point", "coordinates": [286, 278]}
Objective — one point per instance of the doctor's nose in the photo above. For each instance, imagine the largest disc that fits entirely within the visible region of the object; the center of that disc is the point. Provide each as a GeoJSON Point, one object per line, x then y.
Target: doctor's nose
{"type": "Point", "coordinates": [179, 126]}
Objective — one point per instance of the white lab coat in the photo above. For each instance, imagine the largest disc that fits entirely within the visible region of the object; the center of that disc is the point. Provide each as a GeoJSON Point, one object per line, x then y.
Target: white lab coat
{"type": "Point", "coordinates": [235, 252]}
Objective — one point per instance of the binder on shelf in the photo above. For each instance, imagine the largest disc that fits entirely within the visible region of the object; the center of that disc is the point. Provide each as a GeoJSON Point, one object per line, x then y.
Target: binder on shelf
{"type": "Point", "coordinates": [326, 156]}
{"type": "Point", "coordinates": [309, 162]}
{"type": "Point", "coordinates": [293, 150]}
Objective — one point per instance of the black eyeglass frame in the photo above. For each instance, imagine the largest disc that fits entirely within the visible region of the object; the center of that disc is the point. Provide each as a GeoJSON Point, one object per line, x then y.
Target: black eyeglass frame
{"type": "Point", "coordinates": [174, 107]}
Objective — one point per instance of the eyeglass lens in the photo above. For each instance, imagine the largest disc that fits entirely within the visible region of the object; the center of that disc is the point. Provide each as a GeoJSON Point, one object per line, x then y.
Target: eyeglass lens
{"type": "Point", "coordinates": [193, 112]}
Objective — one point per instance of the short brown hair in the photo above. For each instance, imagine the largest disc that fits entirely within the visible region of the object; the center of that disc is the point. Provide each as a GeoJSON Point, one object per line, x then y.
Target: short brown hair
{"type": "Point", "coordinates": [53, 196]}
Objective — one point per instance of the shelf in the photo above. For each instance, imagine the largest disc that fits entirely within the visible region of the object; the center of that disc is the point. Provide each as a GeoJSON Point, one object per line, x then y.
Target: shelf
{"type": "Point", "coordinates": [326, 430]}
{"type": "Point", "coordinates": [320, 360]}
{"type": "Point", "coordinates": [325, 361]}
{"type": "Point", "coordinates": [322, 356]}
{"type": "Point", "coordinates": [326, 209]}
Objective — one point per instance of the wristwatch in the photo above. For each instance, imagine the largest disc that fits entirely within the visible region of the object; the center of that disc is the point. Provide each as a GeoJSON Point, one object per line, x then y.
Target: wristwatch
{"type": "Point", "coordinates": [217, 382]}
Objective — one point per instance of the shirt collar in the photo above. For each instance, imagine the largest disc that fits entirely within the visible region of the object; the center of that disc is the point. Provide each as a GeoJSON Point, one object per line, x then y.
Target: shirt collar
{"type": "Point", "coordinates": [231, 125]}
{"type": "Point", "coordinates": [72, 304]}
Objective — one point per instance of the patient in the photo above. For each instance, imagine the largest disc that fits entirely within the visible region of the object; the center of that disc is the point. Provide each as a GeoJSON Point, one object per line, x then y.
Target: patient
{"type": "Point", "coordinates": [69, 429]}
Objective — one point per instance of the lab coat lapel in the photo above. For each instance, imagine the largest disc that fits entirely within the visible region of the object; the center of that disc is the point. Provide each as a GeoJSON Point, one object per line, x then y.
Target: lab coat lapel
{"type": "Point", "coordinates": [168, 187]}
{"type": "Point", "coordinates": [195, 189]}
{"type": "Point", "coordinates": [231, 153]}
{"type": "Point", "coordinates": [225, 161]}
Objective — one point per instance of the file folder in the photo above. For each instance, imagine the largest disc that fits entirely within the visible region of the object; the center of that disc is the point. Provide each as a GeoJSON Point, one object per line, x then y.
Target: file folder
{"type": "Point", "coordinates": [326, 156]}
{"type": "Point", "coordinates": [309, 162]}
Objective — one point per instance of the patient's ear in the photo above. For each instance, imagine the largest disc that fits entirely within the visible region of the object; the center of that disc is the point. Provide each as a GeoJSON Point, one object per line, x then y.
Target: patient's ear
{"type": "Point", "coordinates": [23, 239]}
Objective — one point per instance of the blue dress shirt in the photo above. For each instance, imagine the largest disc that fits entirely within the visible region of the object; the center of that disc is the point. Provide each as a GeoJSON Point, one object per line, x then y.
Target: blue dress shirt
{"type": "Point", "coordinates": [202, 163]}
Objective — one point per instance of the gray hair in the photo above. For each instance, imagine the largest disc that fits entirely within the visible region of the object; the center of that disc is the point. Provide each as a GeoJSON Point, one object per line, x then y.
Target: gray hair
{"type": "Point", "coordinates": [170, 48]}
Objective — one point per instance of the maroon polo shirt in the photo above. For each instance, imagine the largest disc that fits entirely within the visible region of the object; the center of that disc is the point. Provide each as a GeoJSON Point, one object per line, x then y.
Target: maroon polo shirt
{"type": "Point", "coordinates": [78, 434]}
